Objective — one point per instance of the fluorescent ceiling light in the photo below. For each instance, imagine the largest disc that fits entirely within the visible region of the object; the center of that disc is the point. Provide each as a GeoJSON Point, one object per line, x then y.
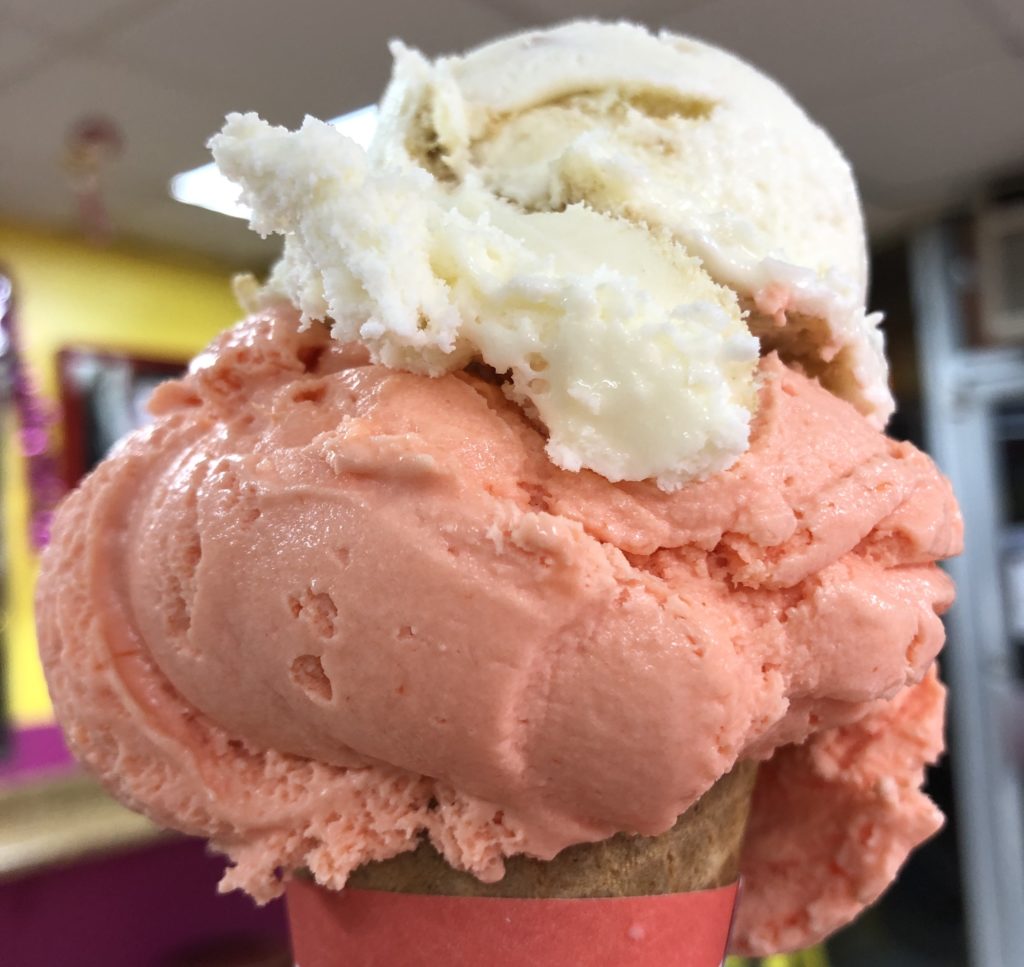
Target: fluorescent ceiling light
{"type": "Point", "coordinates": [206, 187]}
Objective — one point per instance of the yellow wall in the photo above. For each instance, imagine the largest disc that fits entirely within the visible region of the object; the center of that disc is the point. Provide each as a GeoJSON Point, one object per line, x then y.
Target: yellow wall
{"type": "Point", "coordinates": [72, 294]}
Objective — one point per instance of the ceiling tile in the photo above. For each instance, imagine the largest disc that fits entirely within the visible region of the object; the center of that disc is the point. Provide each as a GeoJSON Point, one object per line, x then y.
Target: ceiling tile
{"type": "Point", "coordinates": [20, 47]}
{"type": "Point", "coordinates": [937, 138]}
{"type": "Point", "coordinates": [1006, 17]}
{"type": "Point", "coordinates": [139, 215]}
{"type": "Point", "coordinates": [824, 52]}
{"type": "Point", "coordinates": [286, 60]}
{"type": "Point", "coordinates": [882, 222]}
{"type": "Point", "coordinates": [34, 194]}
{"type": "Point", "coordinates": [163, 130]}
{"type": "Point", "coordinates": [167, 223]}
{"type": "Point", "coordinates": [67, 18]}
{"type": "Point", "coordinates": [651, 12]}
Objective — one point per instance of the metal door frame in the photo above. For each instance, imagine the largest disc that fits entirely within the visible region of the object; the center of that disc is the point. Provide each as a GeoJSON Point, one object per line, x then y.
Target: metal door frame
{"type": "Point", "coordinates": [961, 387]}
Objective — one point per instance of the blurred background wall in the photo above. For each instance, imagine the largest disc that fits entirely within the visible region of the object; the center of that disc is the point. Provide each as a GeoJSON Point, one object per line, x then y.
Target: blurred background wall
{"type": "Point", "coordinates": [74, 294]}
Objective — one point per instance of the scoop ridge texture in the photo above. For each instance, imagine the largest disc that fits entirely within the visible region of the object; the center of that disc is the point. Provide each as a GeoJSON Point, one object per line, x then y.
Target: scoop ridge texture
{"type": "Point", "coordinates": [321, 607]}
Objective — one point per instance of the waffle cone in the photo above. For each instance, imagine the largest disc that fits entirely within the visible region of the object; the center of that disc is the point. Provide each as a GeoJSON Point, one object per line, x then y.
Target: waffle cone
{"type": "Point", "coordinates": [700, 852]}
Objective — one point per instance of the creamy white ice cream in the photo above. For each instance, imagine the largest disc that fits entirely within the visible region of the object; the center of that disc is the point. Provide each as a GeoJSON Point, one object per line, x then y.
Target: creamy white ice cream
{"type": "Point", "coordinates": [618, 221]}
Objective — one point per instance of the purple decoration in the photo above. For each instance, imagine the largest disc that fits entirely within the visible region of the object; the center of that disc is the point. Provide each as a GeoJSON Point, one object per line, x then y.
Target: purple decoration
{"type": "Point", "coordinates": [35, 420]}
{"type": "Point", "coordinates": [35, 750]}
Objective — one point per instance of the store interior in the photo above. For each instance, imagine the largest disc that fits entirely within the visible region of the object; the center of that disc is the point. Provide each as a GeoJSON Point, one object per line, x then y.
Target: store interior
{"type": "Point", "coordinates": [117, 251]}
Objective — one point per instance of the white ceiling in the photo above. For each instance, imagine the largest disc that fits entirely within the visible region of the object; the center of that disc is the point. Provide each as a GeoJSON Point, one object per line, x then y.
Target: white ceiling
{"type": "Point", "coordinates": [925, 96]}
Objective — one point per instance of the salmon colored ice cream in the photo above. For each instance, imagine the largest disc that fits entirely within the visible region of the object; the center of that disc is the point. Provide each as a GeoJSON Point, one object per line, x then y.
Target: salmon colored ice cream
{"type": "Point", "coordinates": [545, 482]}
{"type": "Point", "coordinates": [323, 606]}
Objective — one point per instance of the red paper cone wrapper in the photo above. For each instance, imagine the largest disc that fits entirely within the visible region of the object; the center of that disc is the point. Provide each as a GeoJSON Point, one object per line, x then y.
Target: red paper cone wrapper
{"type": "Point", "coordinates": [661, 901]}
{"type": "Point", "coordinates": [373, 928]}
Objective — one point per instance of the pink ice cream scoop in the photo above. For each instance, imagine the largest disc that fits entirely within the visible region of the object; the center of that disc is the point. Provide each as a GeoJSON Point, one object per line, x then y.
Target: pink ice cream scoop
{"type": "Point", "coordinates": [322, 607]}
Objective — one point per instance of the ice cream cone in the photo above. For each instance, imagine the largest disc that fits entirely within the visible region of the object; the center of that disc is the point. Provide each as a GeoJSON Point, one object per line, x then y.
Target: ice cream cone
{"type": "Point", "coordinates": [657, 900]}
{"type": "Point", "coordinates": [344, 574]}
{"type": "Point", "coordinates": [700, 852]}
